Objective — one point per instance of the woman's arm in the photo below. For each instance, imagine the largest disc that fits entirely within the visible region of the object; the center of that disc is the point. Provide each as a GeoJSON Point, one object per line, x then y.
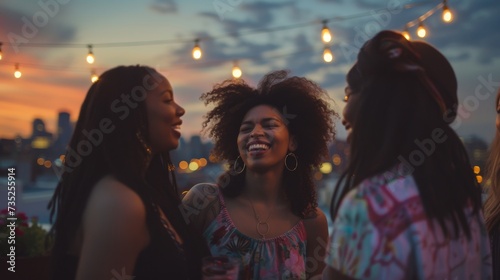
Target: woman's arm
{"type": "Point", "coordinates": [114, 232]}
{"type": "Point", "coordinates": [317, 240]}
{"type": "Point", "coordinates": [201, 206]}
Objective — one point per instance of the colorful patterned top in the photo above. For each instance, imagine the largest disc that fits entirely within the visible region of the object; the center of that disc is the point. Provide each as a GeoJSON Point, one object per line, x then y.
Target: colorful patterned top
{"type": "Point", "coordinates": [281, 257]}
{"type": "Point", "coordinates": [381, 231]}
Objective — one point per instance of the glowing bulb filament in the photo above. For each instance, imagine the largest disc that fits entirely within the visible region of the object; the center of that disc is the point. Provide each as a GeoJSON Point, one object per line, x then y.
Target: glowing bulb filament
{"type": "Point", "coordinates": [94, 77]}
{"type": "Point", "coordinates": [421, 31]}
{"type": "Point", "coordinates": [406, 34]}
{"type": "Point", "coordinates": [236, 72]}
{"type": "Point", "coordinates": [90, 58]}
{"type": "Point", "coordinates": [17, 73]}
{"type": "Point", "coordinates": [326, 36]}
{"type": "Point", "coordinates": [447, 15]}
{"type": "Point", "coordinates": [197, 50]}
{"type": "Point", "coordinates": [0, 51]}
{"type": "Point", "coordinates": [327, 55]}
{"type": "Point", "coordinates": [90, 55]}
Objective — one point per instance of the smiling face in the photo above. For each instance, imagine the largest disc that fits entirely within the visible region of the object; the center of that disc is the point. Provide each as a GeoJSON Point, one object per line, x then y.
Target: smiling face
{"type": "Point", "coordinates": [164, 118]}
{"type": "Point", "coordinates": [350, 110]}
{"type": "Point", "coordinates": [264, 140]}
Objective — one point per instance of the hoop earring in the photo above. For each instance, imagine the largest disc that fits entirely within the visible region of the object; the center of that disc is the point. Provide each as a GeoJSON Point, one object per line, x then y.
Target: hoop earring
{"type": "Point", "coordinates": [234, 165]}
{"type": "Point", "coordinates": [296, 162]}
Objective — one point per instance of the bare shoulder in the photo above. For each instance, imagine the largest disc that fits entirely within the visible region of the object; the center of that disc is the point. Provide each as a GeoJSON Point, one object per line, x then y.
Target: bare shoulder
{"type": "Point", "coordinates": [316, 221]}
{"type": "Point", "coordinates": [317, 239]}
{"type": "Point", "coordinates": [316, 216]}
{"type": "Point", "coordinates": [113, 207]}
{"type": "Point", "coordinates": [114, 230]}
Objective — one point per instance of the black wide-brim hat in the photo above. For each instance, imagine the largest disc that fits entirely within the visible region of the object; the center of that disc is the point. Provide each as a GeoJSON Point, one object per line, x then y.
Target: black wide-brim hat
{"type": "Point", "coordinates": [390, 49]}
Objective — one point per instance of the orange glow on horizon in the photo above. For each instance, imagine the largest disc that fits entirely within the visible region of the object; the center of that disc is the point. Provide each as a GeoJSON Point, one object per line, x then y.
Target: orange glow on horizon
{"type": "Point", "coordinates": [43, 94]}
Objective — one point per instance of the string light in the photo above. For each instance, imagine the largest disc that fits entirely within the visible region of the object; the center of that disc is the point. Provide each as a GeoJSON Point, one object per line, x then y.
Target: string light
{"type": "Point", "coordinates": [406, 34]}
{"type": "Point", "coordinates": [236, 71]}
{"type": "Point", "coordinates": [421, 31]}
{"type": "Point", "coordinates": [93, 76]}
{"type": "Point", "coordinates": [17, 73]}
{"type": "Point", "coordinates": [447, 15]}
{"type": "Point", "coordinates": [327, 55]}
{"type": "Point", "coordinates": [326, 36]}
{"type": "Point", "coordinates": [1, 50]}
{"type": "Point", "coordinates": [197, 50]}
{"type": "Point", "coordinates": [90, 55]}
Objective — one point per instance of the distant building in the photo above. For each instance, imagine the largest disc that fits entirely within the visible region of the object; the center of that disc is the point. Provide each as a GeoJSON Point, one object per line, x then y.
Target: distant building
{"type": "Point", "coordinates": [41, 144]}
{"type": "Point", "coordinates": [40, 138]}
{"type": "Point", "coordinates": [196, 149]}
{"type": "Point", "coordinates": [64, 132]}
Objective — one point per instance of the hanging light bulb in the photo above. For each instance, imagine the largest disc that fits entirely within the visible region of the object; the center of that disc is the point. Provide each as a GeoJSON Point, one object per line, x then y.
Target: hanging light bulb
{"type": "Point", "coordinates": [326, 36]}
{"type": "Point", "coordinates": [90, 55]}
{"type": "Point", "coordinates": [236, 71]}
{"type": "Point", "coordinates": [421, 31]}
{"type": "Point", "coordinates": [447, 15]}
{"type": "Point", "coordinates": [197, 50]}
{"type": "Point", "coordinates": [406, 34]}
{"type": "Point", "coordinates": [93, 76]}
{"type": "Point", "coordinates": [17, 73]}
{"type": "Point", "coordinates": [327, 55]}
{"type": "Point", "coordinates": [1, 50]}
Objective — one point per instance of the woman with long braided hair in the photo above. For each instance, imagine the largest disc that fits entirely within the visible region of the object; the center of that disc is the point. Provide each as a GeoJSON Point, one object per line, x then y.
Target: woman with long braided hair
{"type": "Point", "coordinates": [408, 205]}
{"type": "Point", "coordinates": [116, 207]}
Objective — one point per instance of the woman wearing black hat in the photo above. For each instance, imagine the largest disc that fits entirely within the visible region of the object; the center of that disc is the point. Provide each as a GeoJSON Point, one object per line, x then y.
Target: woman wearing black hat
{"type": "Point", "coordinates": [408, 205]}
{"type": "Point", "coordinates": [492, 204]}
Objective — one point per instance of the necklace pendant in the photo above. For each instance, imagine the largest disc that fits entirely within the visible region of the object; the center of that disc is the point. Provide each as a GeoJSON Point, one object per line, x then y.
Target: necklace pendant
{"type": "Point", "coordinates": [262, 229]}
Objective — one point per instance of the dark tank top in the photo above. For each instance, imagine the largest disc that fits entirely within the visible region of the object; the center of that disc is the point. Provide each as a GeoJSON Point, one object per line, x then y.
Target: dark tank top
{"type": "Point", "coordinates": [163, 258]}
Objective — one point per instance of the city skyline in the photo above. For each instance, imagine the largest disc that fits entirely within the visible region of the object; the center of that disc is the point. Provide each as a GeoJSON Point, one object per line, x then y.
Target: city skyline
{"type": "Point", "coordinates": [203, 138]}
{"type": "Point", "coordinates": [259, 36]}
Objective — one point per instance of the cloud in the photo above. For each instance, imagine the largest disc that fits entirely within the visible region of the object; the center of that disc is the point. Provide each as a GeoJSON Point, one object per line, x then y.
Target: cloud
{"type": "Point", "coordinates": [368, 4]}
{"type": "Point", "coordinates": [164, 6]}
{"type": "Point", "coordinates": [18, 28]}
{"type": "Point", "coordinates": [256, 15]}
{"type": "Point", "coordinates": [477, 27]}
{"type": "Point", "coordinates": [331, 1]}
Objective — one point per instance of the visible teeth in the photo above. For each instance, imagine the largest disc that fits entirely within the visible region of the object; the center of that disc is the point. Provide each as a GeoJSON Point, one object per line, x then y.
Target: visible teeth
{"type": "Point", "coordinates": [254, 147]}
{"type": "Point", "coordinates": [177, 127]}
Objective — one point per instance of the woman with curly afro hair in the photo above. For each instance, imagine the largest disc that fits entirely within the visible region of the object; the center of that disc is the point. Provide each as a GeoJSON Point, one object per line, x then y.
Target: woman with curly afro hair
{"type": "Point", "coordinates": [263, 210]}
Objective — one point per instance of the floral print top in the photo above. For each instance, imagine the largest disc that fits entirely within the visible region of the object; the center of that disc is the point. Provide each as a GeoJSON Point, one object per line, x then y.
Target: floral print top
{"type": "Point", "coordinates": [281, 257]}
{"type": "Point", "coordinates": [381, 231]}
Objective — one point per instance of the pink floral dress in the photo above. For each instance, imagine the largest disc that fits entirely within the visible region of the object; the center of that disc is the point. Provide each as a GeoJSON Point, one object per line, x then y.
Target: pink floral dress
{"type": "Point", "coordinates": [381, 231]}
{"type": "Point", "coordinates": [281, 257]}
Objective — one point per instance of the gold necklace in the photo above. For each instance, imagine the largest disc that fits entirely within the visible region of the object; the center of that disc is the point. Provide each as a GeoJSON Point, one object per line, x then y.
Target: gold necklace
{"type": "Point", "coordinates": [262, 226]}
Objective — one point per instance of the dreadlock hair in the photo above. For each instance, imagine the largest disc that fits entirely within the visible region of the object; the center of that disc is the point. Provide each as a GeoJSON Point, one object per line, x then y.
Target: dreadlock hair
{"type": "Point", "coordinates": [109, 140]}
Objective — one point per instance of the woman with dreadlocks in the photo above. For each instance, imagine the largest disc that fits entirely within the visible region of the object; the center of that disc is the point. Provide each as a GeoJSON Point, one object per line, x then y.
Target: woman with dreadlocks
{"type": "Point", "coordinates": [116, 206]}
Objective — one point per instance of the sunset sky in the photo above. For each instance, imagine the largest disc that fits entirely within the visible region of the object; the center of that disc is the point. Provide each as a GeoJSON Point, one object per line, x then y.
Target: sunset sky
{"type": "Point", "coordinates": [55, 75]}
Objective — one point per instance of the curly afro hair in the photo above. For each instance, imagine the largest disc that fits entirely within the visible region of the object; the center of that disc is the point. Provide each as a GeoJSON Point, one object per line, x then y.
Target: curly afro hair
{"type": "Point", "coordinates": [308, 117]}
